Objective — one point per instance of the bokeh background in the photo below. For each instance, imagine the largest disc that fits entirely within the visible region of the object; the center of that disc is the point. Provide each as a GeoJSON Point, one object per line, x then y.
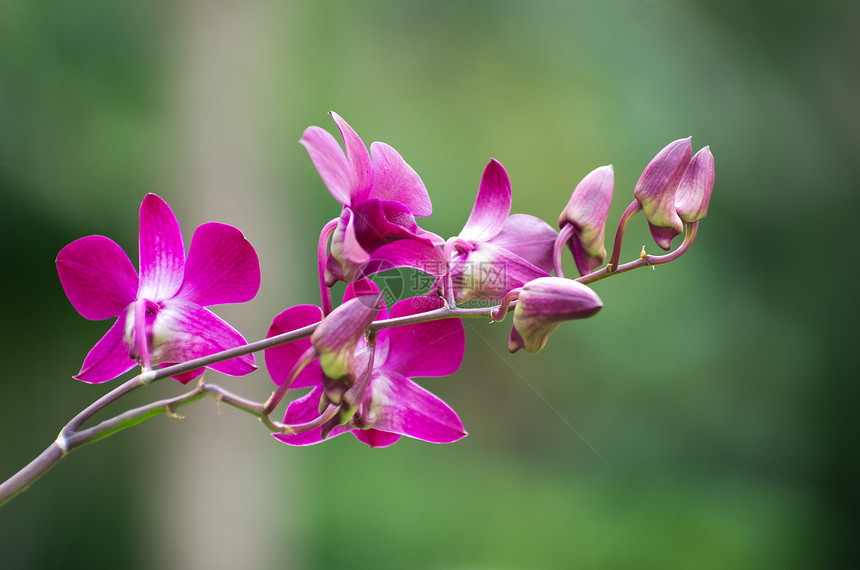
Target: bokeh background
{"type": "Point", "coordinates": [706, 418]}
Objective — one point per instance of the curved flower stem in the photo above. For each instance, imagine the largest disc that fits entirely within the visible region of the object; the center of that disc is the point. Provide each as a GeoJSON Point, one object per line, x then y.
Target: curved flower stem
{"type": "Point", "coordinates": [499, 313]}
{"type": "Point", "coordinates": [35, 469]}
{"type": "Point", "coordinates": [634, 208]}
{"type": "Point", "coordinates": [123, 389]}
{"type": "Point", "coordinates": [331, 411]}
{"type": "Point", "coordinates": [322, 257]}
{"type": "Point", "coordinates": [279, 394]}
{"type": "Point", "coordinates": [558, 247]}
{"type": "Point", "coordinates": [645, 259]}
{"type": "Point", "coordinates": [71, 436]}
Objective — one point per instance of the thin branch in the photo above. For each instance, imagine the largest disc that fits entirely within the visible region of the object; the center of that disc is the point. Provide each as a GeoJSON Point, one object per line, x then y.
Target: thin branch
{"type": "Point", "coordinates": [645, 260]}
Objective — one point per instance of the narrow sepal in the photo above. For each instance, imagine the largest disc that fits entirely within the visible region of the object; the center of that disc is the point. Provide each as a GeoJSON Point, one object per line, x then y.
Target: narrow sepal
{"type": "Point", "coordinates": [330, 161]}
{"type": "Point", "coordinates": [492, 206]}
{"type": "Point", "coordinates": [360, 166]}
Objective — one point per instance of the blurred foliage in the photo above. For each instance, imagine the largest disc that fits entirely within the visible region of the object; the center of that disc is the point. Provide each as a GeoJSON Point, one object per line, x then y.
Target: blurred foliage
{"type": "Point", "coordinates": [701, 420]}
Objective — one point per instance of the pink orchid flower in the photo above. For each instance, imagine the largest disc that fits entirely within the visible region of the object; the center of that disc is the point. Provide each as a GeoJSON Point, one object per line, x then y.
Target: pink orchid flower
{"type": "Point", "coordinates": [497, 252]}
{"type": "Point", "coordinates": [381, 195]}
{"type": "Point", "coordinates": [392, 404]}
{"type": "Point", "coordinates": [161, 313]}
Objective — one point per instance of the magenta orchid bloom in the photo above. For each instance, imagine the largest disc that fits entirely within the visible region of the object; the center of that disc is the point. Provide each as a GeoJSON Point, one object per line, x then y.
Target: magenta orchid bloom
{"type": "Point", "coordinates": [381, 195]}
{"type": "Point", "coordinates": [584, 218]}
{"type": "Point", "coordinates": [496, 251]}
{"type": "Point", "coordinates": [543, 304]}
{"type": "Point", "coordinates": [392, 405]}
{"type": "Point", "coordinates": [675, 189]}
{"type": "Point", "coordinates": [161, 314]}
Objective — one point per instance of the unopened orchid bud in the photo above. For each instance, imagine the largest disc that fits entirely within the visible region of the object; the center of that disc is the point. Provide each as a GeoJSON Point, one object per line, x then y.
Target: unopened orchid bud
{"type": "Point", "coordinates": [543, 304]}
{"type": "Point", "coordinates": [694, 190]}
{"type": "Point", "coordinates": [336, 337]}
{"type": "Point", "coordinates": [656, 190]}
{"type": "Point", "coordinates": [586, 211]}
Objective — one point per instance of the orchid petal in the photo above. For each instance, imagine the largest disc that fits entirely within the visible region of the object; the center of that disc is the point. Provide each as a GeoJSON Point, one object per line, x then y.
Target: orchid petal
{"type": "Point", "coordinates": [281, 359]}
{"type": "Point", "coordinates": [543, 304]}
{"type": "Point", "coordinates": [489, 272]}
{"type": "Point", "coordinates": [656, 189]}
{"type": "Point", "coordinates": [360, 167]}
{"type": "Point", "coordinates": [433, 348]}
{"type": "Point", "coordinates": [348, 246]}
{"type": "Point", "coordinates": [375, 437]}
{"type": "Point", "coordinates": [398, 405]}
{"type": "Point", "coordinates": [183, 331]}
{"type": "Point", "coordinates": [330, 162]}
{"type": "Point", "coordinates": [222, 267]}
{"type": "Point", "coordinates": [694, 190]}
{"type": "Point", "coordinates": [586, 211]}
{"type": "Point", "coordinates": [361, 288]}
{"type": "Point", "coordinates": [186, 377]}
{"type": "Point", "coordinates": [162, 253]}
{"type": "Point", "coordinates": [492, 205]}
{"type": "Point", "coordinates": [407, 253]}
{"type": "Point", "coordinates": [528, 237]}
{"type": "Point", "coordinates": [303, 410]}
{"type": "Point", "coordinates": [334, 271]}
{"type": "Point", "coordinates": [377, 223]}
{"type": "Point", "coordinates": [393, 179]}
{"type": "Point", "coordinates": [336, 337]}
{"type": "Point", "coordinates": [109, 357]}
{"type": "Point", "coordinates": [97, 276]}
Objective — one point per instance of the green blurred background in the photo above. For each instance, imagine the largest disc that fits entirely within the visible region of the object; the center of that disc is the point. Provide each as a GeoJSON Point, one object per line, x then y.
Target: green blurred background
{"type": "Point", "coordinates": [703, 419]}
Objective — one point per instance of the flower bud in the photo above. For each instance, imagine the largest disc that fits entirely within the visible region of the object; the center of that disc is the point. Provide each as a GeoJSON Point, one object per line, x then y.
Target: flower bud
{"type": "Point", "coordinates": [543, 304]}
{"type": "Point", "coordinates": [656, 190]}
{"type": "Point", "coordinates": [694, 190]}
{"type": "Point", "coordinates": [335, 340]}
{"type": "Point", "coordinates": [586, 211]}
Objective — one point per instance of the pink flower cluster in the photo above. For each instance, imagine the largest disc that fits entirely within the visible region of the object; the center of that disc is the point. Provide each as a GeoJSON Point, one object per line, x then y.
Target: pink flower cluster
{"type": "Point", "coordinates": [358, 370]}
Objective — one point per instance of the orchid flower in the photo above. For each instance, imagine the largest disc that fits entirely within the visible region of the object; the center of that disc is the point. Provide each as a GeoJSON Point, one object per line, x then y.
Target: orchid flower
{"type": "Point", "coordinates": [161, 313]}
{"type": "Point", "coordinates": [543, 304]}
{"type": "Point", "coordinates": [381, 195]}
{"type": "Point", "coordinates": [496, 252]}
{"type": "Point", "coordinates": [675, 189]}
{"type": "Point", "coordinates": [583, 220]}
{"type": "Point", "coordinates": [385, 403]}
